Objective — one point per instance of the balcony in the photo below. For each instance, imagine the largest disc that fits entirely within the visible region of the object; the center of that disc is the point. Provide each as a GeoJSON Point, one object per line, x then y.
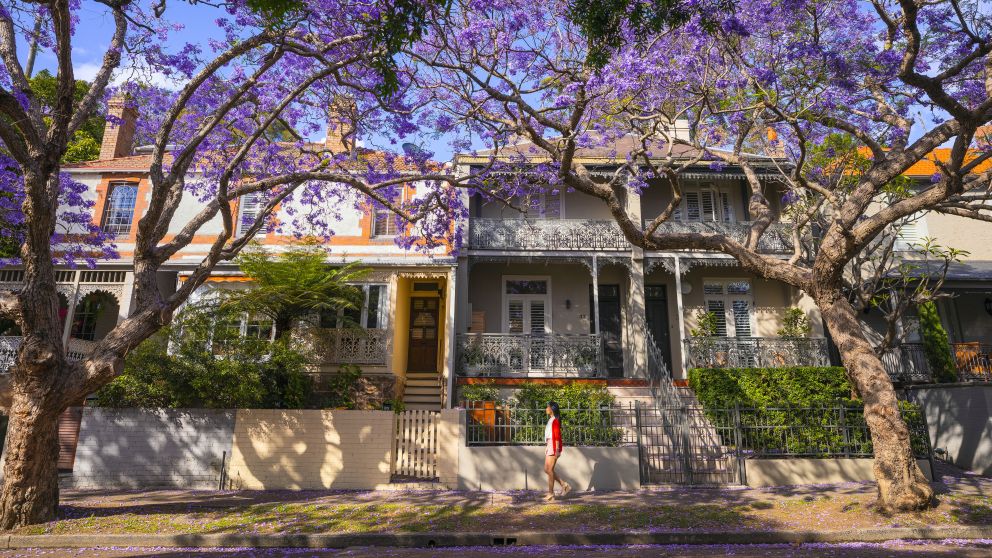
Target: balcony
{"type": "Point", "coordinates": [776, 239]}
{"type": "Point", "coordinates": [9, 345]}
{"type": "Point", "coordinates": [755, 352]}
{"type": "Point", "coordinates": [546, 234]}
{"type": "Point", "coordinates": [350, 345]}
{"type": "Point", "coordinates": [523, 355]}
{"type": "Point", "coordinates": [908, 363]}
{"type": "Point", "coordinates": [602, 235]}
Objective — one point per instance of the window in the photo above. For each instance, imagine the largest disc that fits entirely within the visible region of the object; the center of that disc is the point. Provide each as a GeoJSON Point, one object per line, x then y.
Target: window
{"type": "Point", "coordinates": [384, 222]}
{"type": "Point", "coordinates": [732, 303]}
{"type": "Point", "coordinates": [527, 305]}
{"type": "Point", "coordinates": [249, 207]}
{"type": "Point", "coordinates": [85, 317]}
{"type": "Point", "coordinates": [705, 204]}
{"type": "Point", "coordinates": [369, 316]}
{"type": "Point", "coordinates": [912, 234]}
{"type": "Point", "coordinates": [118, 211]}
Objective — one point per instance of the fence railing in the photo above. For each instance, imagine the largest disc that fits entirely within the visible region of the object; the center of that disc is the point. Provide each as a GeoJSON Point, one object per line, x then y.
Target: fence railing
{"type": "Point", "coordinates": [350, 345]}
{"type": "Point", "coordinates": [756, 352]}
{"type": "Point", "coordinates": [771, 432]}
{"type": "Point", "coordinates": [908, 363]}
{"type": "Point", "coordinates": [973, 361]}
{"type": "Point", "coordinates": [546, 234]}
{"type": "Point", "coordinates": [777, 238]}
{"type": "Point", "coordinates": [78, 349]}
{"type": "Point", "coordinates": [493, 423]}
{"type": "Point", "coordinates": [521, 354]}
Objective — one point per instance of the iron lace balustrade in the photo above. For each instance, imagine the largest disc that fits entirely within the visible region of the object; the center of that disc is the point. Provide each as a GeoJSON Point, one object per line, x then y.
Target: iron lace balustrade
{"type": "Point", "coordinates": [546, 234]}
{"type": "Point", "coordinates": [973, 361]}
{"type": "Point", "coordinates": [525, 355]}
{"type": "Point", "coordinates": [755, 352]}
{"type": "Point", "coordinates": [78, 349]}
{"type": "Point", "coordinates": [350, 345]}
{"type": "Point", "coordinates": [776, 239]}
{"type": "Point", "coordinates": [491, 423]}
{"type": "Point", "coordinates": [908, 363]}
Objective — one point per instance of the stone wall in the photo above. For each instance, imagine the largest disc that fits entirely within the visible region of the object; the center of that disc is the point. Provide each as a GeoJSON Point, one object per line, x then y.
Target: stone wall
{"type": "Point", "coordinates": [132, 448]}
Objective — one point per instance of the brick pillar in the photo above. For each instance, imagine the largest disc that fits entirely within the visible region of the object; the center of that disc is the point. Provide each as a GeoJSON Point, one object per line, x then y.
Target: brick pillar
{"type": "Point", "coordinates": [118, 134]}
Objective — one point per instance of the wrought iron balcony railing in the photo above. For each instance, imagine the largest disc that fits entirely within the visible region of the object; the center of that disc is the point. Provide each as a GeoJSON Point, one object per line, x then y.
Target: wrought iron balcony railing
{"type": "Point", "coordinates": [9, 345]}
{"type": "Point", "coordinates": [516, 354]}
{"type": "Point", "coordinates": [908, 363]}
{"type": "Point", "coordinates": [602, 235]}
{"type": "Point", "coordinates": [777, 238]}
{"type": "Point", "coordinates": [755, 352]}
{"type": "Point", "coordinates": [546, 234]}
{"type": "Point", "coordinates": [350, 345]}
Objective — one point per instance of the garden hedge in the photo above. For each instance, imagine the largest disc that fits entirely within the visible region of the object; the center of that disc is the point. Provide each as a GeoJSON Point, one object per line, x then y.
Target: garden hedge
{"type": "Point", "coordinates": [770, 387]}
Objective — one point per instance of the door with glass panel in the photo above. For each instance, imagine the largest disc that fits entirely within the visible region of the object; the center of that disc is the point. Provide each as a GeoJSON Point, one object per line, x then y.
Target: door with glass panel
{"type": "Point", "coordinates": [731, 304]}
{"type": "Point", "coordinates": [527, 320]}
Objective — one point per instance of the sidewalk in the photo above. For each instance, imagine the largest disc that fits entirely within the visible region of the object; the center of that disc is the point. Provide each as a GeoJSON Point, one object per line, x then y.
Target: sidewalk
{"type": "Point", "coordinates": [833, 513]}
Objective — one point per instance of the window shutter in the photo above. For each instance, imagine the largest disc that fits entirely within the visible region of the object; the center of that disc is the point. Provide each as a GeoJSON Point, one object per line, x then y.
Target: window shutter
{"type": "Point", "coordinates": [537, 317]}
{"type": "Point", "coordinates": [516, 316]}
{"type": "Point", "coordinates": [372, 314]}
{"type": "Point", "coordinates": [728, 210]}
{"type": "Point", "coordinates": [717, 307]}
{"type": "Point", "coordinates": [911, 234]}
{"type": "Point", "coordinates": [692, 206]}
{"type": "Point", "coordinates": [708, 205]}
{"type": "Point", "coordinates": [742, 317]}
{"type": "Point", "coordinates": [249, 207]}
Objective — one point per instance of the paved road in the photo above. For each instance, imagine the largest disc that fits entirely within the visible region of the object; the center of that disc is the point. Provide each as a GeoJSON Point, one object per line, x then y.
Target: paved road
{"type": "Point", "coordinates": [946, 549]}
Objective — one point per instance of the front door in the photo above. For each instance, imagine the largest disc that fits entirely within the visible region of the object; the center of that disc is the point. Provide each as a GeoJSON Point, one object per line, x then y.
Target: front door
{"type": "Point", "coordinates": [422, 352]}
{"type": "Point", "coordinates": [656, 314]}
{"type": "Point", "coordinates": [611, 328]}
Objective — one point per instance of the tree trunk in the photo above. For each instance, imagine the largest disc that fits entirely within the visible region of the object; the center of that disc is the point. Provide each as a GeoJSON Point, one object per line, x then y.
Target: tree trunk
{"type": "Point", "coordinates": [902, 486]}
{"type": "Point", "coordinates": [30, 491]}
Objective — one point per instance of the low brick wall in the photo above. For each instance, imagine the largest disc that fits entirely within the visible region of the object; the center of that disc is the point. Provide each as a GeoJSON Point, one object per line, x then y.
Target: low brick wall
{"type": "Point", "coordinates": [788, 472]}
{"type": "Point", "coordinates": [522, 468]}
{"type": "Point", "coordinates": [308, 449]}
{"type": "Point", "coordinates": [139, 448]}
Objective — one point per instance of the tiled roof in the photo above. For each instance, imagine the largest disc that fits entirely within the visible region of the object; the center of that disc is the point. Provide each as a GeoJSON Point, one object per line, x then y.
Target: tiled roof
{"type": "Point", "coordinates": [928, 167]}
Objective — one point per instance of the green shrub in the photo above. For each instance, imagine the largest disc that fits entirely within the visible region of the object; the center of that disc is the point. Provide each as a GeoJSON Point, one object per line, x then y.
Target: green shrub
{"type": "Point", "coordinates": [935, 343]}
{"type": "Point", "coordinates": [792, 410]}
{"type": "Point", "coordinates": [210, 366]}
{"type": "Point", "coordinates": [794, 324]}
{"type": "Point", "coordinates": [706, 325]}
{"type": "Point", "coordinates": [770, 387]}
{"type": "Point", "coordinates": [584, 421]}
{"type": "Point", "coordinates": [479, 392]}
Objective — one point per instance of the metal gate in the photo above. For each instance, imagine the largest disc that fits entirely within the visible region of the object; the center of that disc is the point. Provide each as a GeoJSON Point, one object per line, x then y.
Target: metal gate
{"type": "Point", "coordinates": [415, 446]}
{"type": "Point", "coordinates": [682, 445]}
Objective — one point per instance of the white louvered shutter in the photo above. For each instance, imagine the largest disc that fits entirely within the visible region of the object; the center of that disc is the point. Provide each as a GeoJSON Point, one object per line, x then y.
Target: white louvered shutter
{"type": "Point", "coordinates": [516, 316]}
{"type": "Point", "coordinates": [728, 210]}
{"type": "Point", "coordinates": [537, 318]}
{"type": "Point", "coordinates": [742, 317]}
{"type": "Point", "coordinates": [708, 202]}
{"type": "Point", "coordinates": [692, 209]}
{"type": "Point", "coordinates": [717, 307]}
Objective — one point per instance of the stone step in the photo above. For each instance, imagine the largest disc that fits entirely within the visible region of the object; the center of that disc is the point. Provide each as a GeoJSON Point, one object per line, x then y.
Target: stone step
{"type": "Point", "coordinates": [416, 390]}
{"type": "Point", "coordinates": [423, 383]}
{"type": "Point", "coordinates": [422, 406]}
{"type": "Point", "coordinates": [423, 376]}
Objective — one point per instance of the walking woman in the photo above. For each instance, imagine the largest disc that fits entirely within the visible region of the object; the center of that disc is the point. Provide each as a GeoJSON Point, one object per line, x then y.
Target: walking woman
{"type": "Point", "coordinates": [552, 438]}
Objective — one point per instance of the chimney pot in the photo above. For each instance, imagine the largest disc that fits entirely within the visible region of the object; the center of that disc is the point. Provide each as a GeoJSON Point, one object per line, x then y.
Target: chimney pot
{"type": "Point", "coordinates": [118, 134]}
{"type": "Point", "coordinates": [341, 117]}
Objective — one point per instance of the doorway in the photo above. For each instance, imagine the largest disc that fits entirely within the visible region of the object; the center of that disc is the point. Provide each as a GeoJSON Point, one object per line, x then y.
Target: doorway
{"type": "Point", "coordinates": [610, 328]}
{"type": "Point", "coordinates": [422, 349]}
{"type": "Point", "coordinates": [656, 315]}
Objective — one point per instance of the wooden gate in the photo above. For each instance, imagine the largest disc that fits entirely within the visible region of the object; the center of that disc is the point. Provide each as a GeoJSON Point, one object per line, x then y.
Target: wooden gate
{"type": "Point", "coordinates": [415, 446]}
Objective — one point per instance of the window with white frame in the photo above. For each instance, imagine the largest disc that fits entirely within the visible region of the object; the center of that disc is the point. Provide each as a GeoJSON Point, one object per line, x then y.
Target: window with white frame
{"type": "Point", "coordinates": [370, 316]}
{"type": "Point", "coordinates": [384, 221]}
{"type": "Point", "coordinates": [732, 302]}
{"type": "Point", "coordinates": [118, 211]}
{"type": "Point", "coordinates": [542, 205]}
{"type": "Point", "coordinates": [249, 208]}
{"type": "Point", "coordinates": [912, 234]}
{"type": "Point", "coordinates": [705, 203]}
{"type": "Point", "coordinates": [527, 305]}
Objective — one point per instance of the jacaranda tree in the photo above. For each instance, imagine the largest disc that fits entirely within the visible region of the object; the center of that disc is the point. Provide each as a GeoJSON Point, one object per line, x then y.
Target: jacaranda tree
{"type": "Point", "coordinates": [897, 78]}
{"type": "Point", "coordinates": [217, 116]}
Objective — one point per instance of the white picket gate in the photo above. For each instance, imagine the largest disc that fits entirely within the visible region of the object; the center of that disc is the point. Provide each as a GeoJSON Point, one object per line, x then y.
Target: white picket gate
{"type": "Point", "coordinates": [415, 445]}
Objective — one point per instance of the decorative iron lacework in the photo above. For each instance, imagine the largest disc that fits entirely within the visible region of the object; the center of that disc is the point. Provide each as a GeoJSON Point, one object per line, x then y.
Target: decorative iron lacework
{"type": "Point", "coordinates": [755, 352]}
{"type": "Point", "coordinates": [521, 354]}
{"type": "Point", "coordinates": [349, 345]}
{"type": "Point", "coordinates": [776, 239]}
{"type": "Point", "coordinates": [546, 234]}
{"type": "Point", "coordinates": [78, 349]}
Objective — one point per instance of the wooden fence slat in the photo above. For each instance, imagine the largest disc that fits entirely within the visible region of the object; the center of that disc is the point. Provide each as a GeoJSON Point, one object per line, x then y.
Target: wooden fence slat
{"type": "Point", "coordinates": [415, 444]}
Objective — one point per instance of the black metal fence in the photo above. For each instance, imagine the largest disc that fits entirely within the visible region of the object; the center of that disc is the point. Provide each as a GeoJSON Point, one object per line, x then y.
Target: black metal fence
{"type": "Point", "coordinates": [494, 424]}
{"type": "Point", "coordinates": [687, 436]}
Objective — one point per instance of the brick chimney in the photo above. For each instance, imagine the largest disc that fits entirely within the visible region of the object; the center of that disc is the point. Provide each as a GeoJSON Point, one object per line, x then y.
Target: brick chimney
{"type": "Point", "coordinates": [775, 147]}
{"type": "Point", "coordinates": [341, 132]}
{"type": "Point", "coordinates": [118, 134]}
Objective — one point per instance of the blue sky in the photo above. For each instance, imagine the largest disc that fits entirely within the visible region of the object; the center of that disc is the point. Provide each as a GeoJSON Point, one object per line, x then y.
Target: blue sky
{"type": "Point", "coordinates": [96, 26]}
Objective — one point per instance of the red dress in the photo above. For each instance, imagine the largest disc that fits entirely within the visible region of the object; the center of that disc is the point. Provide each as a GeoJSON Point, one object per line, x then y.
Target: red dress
{"type": "Point", "coordinates": [554, 442]}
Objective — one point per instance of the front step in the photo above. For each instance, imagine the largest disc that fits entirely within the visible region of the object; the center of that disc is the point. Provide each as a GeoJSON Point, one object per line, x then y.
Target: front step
{"type": "Point", "coordinates": [422, 391]}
